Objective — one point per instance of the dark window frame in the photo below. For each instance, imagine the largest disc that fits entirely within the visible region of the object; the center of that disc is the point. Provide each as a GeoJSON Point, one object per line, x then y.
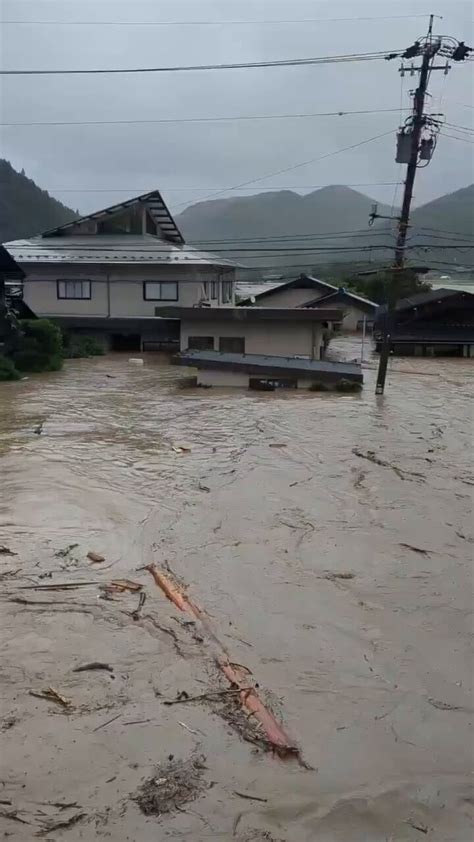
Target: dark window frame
{"type": "Point", "coordinates": [210, 343]}
{"type": "Point", "coordinates": [146, 298]}
{"type": "Point", "coordinates": [225, 339]}
{"type": "Point", "coordinates": [73, 297]}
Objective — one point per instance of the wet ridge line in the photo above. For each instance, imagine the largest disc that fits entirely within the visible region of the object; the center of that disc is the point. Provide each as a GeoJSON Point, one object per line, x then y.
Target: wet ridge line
{"type": "Point", "coordinates": [237, 675]}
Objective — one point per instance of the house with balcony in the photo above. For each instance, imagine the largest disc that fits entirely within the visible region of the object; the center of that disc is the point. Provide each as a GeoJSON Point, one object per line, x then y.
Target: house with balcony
{"type": "Point", "coordinates": [107, 274]}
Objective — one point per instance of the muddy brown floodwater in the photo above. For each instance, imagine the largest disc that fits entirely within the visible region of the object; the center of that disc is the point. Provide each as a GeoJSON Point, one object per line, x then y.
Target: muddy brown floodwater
{"type": "Point", "coordinates": [370, 673]}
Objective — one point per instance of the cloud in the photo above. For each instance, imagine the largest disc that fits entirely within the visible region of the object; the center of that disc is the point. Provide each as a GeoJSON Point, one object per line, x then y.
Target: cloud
{"type": "Point", "coordinates": [214, 155]}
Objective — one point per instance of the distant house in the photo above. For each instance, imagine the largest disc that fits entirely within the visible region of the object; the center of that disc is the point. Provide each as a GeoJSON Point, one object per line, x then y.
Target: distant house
{"type": "Point", "coordinates": [291, 294]}
{"type": "Point", "coordinates": [307, 291]}
{"type": "Point", "coordinates": [106, 274]}
{"type": "Point", "coordinates": [355, 309]}
{"type": "Point", "coordinates": [437, 323]}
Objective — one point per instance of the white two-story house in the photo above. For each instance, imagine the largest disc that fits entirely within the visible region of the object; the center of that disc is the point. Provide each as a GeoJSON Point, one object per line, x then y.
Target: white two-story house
{"type": "Point", "coordinates": [106, 274]}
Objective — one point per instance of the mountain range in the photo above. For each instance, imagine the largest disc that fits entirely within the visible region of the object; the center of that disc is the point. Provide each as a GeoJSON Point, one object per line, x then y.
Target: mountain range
{"type": "Point", "coordinates": [25, 209]}
{"type": "Point", "coordinates": [279, 231]}
{"type": "Point", "coordinates": [284, 229]}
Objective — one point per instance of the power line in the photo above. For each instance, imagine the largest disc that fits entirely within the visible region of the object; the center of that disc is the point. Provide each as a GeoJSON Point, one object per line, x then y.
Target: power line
{"type": "Point", "coordinates": [469, 130]}
{"type": "Point", "coordinates": [437, 230]}
{"type": "Point", "coordinates": [279, 238]}
{"type": "Point", "coordinates": [206, 119]}
{"type": "Point", "coordinates": [163, 189]}
{"type": "Point", "coordinates": [293, 167]}
{"type": "Point", "coordinates": [205, 22]}
{"type": "Point", "coordinates": [288, 250]}
{"type": "Point", "coordinates": [269, 250]}
{"type": "Point", "coordinates": [453, 137]}
{"type": "Point", "coordinates": [301, 62]}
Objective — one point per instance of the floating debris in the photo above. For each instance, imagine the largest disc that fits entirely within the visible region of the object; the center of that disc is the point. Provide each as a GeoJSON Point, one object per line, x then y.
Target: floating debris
{"type": "Point", "coordinates": [52, 695]}
{"type": "Point", "coordinates": [436, 703]}
{"type": "Point", "coordinates": [61, 825]}
{"type": "Point", "coordinates": [418, 550]}
{"type": "Point", "coordinates": [273, 736]}
{"type": "Point", "coordinates": [250, 797]}
{"type": "Point", "coordinates": [65, 551]}
{"type": "Point", "coordinates": [141, 602]}
{"type": "Point", "coordinates": [372, 457]}
{"type": "Point", "coordinates": [109, 722]}
{"type": "Point", "coordinates": [6, 550]}
{"type": "Point", "coordinates": [94, 665]}
{"type": "Point", "coordinates": [121, 585]}
{"type": "Point", "coordinates": [173, 784]}
{"type": "Point", "coordinates": [416, 825]}
{"type": "Point", "coordinates": [96, 558]}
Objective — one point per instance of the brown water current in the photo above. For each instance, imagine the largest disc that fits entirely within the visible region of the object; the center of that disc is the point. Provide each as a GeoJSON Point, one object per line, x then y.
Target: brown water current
{"type": "Point", "coordinates": [371, 674]}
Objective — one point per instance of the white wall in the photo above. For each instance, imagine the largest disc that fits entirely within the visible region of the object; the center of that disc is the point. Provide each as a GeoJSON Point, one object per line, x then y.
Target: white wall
{"type": "Point", "coordinates": [214, 377]}
{"type": "Point", "coordinates": [116, 291]}
{"type": "Point", "coordinates": [276, 338]}
{"type": "Point", "coordinates": [289, 298]}
{"type": "Point", "coordinates": [352, 315]}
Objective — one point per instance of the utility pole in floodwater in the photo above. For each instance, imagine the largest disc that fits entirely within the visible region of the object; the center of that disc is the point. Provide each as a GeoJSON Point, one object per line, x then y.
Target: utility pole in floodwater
{"type": "Point", "coordinates": [416, 142]}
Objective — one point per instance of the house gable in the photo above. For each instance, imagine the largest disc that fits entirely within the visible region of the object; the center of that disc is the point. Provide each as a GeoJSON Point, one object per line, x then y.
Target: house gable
{"type": "Point", "coordinates": [314, 286]}
{"type": "Point", "coordinates": [146, 214]}
{"type": "Point", "coordinates": [343, 296]}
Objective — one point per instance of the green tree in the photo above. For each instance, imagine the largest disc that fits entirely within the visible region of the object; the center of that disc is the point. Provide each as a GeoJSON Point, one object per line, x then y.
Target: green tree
{"type": "Point", "coordinates": [377, 287]}
{"type": "Point", "coordinates": [38, 346]}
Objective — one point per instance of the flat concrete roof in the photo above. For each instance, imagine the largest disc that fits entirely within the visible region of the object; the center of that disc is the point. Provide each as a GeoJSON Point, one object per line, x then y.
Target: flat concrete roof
{"type": "Point", "coordinates": [250, 314]}
{"type": "Point", "coordinates": [264, 365]}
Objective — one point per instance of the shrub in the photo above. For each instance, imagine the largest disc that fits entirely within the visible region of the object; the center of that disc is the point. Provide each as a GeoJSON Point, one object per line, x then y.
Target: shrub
{"type": "Point", "coordinates": [78, 347]}
{"type": "Point", "coordinates": [38, 347]}
{"type": "Point", "coordinates": [7, 369]}
{"type": "Point", "coordinates": [348, 386]}
{"type": "Point", "coordinates": [318, 386]}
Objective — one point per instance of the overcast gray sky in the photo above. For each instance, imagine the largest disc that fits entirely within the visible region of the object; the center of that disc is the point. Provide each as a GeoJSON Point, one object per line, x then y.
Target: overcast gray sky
{"type": "Point", "coordinates": [82, 165]}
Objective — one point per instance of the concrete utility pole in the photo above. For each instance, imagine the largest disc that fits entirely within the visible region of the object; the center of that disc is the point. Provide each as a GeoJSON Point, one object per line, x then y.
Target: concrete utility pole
{"type": "Point", "coordinates": [412, 148]}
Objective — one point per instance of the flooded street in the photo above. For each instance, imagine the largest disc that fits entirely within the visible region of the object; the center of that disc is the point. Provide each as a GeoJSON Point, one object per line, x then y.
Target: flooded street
{"type": "Point", "coordinates": [370, 673]}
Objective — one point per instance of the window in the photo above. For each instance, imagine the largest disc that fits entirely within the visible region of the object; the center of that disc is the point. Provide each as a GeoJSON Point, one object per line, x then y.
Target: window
{"type": "Point", "coordinates": [200, 343]}
{"type": "Point", "coordinates": [160, 291]}
{"type": "Point", "coordinates": [232, 344]}
{"type": "Point", "coordinates": [214, 289]}
{"type": "Point", "coordinates": [227, 290]}
{"type": "Point", "coordinates": [74, 289]}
